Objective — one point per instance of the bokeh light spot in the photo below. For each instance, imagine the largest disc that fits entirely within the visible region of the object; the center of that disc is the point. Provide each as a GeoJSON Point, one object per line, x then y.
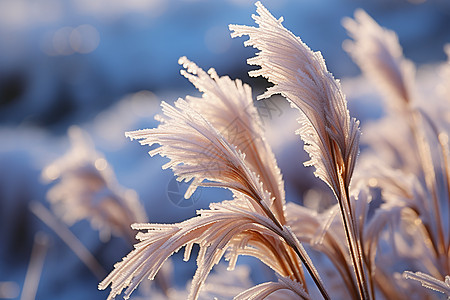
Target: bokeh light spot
{"type": "Point", "coordinates": [51, 173]}
{"type": "Point", "coordinates": [84, 39]}
{"type": "Point", "coordinates": [61, 43]}
{"type": "Point", "coordinates": [101, 164]}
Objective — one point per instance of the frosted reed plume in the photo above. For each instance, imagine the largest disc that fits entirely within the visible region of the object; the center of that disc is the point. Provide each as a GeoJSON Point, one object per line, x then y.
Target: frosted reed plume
{"type": "Point", "coordinates": [86, 188]}
{"type": "Point", "coordinates": [379, 55]}
{"type": "Point", "coordinates": [301, 76]}
{"type": "Point", "coordinates": [413, 192]}
{"type": "Point", "coordinates": [228, 105]}
{"type": "Point", "coordinates": [251, 224]}
{"type": "Point", "coordinates": [216, 140]}
{"type": "Point", "coordinates": [331, 137]}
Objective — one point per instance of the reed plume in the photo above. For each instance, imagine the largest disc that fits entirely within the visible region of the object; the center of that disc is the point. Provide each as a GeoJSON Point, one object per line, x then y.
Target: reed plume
{"type": "Point", "coordinates": [410, 181]}
{"type": "Point", "coordinates": [86, 188]}
{"type": "Point", "coordinates": [331, 137]}
{"type": "Point", "coordinates": [217, 140]}
{"type": "Point", "coordinates": [251, 224]}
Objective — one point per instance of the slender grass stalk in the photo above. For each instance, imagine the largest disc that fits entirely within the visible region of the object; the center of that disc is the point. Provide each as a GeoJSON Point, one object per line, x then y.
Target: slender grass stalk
{"type": "Point", "coordinates": [430, 180]}
{"type": "Point", "coordinates": [69, 238]}
{"type": "Point", "coordinates": [442, 139]}
{"type": "Point", "coordinates": [353, 242]}
{"type": "Point", "coordinates": [292, 240]}
{"type": "Point", "coordinates": [35, 266]}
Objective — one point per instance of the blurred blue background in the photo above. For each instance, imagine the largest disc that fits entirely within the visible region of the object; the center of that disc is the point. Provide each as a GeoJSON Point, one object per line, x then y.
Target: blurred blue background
{"type": "Point", "coordinates": [61, 62]}
{"type": "Point", "coordinates": [105, 65]}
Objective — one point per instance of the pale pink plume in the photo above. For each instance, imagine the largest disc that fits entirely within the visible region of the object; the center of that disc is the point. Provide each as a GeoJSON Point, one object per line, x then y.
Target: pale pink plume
{"type": "Point", "coordinates": [228, 105]}
{"type": "Point", "coordinates": [331, 137]}
{"type": "Point", "coordinates": [379, 55]}
{"type": "Point", "coordinates": [86, 188]}
{"type": "Point", "coordinates": [230, 225]}
{"type": "Point", "coordinates": [198, 135]}
{"type": "Point", "coordinates": [198, 152]}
